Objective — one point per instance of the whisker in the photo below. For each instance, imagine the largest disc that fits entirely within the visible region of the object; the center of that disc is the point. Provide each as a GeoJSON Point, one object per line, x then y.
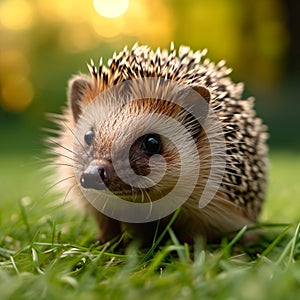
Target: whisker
{"type": "Point", "coordinates": [159, 190]}
{"type": "Point", "coordinates": [50, 161]}
{"type": "Point", "coordinates": [105, 203]}
{"type": "Point", "coordinates": [68, 192]}
{"type": "Point", "coordinates": [42, 159]}
{"type": "Point", "coordinates": [133, 193]}
{"type": "Point", "coordinates": [142, 193]}
{"type": "Point", "coordinates": [34, 162]}
{"type": "Point", "coordinates": [58, 144]}
{"type": "Point", "coordinates": [151, 204]}
{"type": "Point", "coordinates": [61, 164]}
{"type": "Point", "coordinates": [58, 182]}
{"type": "Point", "coordinates": [148, 196]}
{"type": "Point", "coordinates": [150, 180]}
{"type": "Point", "coordinates": [75, 136]}
{"type": "Point", "coordinates": [66, 156]}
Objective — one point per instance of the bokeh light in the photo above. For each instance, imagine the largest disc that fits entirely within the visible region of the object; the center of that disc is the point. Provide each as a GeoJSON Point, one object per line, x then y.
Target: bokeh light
{"type": "Point", "coordinates": [111, 8]}
{"type": "Point", "coordinates": [76, 37]}
{"type": "Point", "coordinates": [17, 93]}
{"type": "Point", "coordinates": [11, 61]}
{"type": "Point", "coordinates": [16, 14]}
{"type": "Point", "coordinates": [38, 37]}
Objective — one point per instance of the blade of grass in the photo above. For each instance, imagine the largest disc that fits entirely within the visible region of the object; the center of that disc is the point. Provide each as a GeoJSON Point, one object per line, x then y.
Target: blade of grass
{"type": "Point", "coordinates": [180, 248]}
{"type": "Point", "coordinates": [150, 252]}
{"type": "Point", "coordinates": [25, 220]}
{"type": "Point", "coordinates": [289, 247]}
{"type": "Point", "coordinates": [35, 259]}
{"type": "Point", "coordinates": [273, 244]}
{"type": "Point", "coordinates": [155, 263]}
{"type": "Point", "coordinates": [238, 236]}
{"type": "Point", "coordinates": [295, 239]}
{"type": "Point", "coordinates": [14, 265]}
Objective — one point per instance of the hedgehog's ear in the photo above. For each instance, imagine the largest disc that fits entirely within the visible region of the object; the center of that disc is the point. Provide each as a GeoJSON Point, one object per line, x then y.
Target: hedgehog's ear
{"type": "Point", "coordinates": [79, 86]}
{"type": "Point", "coordinates": [204, 92]}
{"type": "Point", "coordinates": [197, 100]}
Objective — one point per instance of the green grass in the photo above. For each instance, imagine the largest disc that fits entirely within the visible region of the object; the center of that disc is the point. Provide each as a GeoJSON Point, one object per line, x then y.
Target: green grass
{"type": "Point", "coordinates": [47, 249]}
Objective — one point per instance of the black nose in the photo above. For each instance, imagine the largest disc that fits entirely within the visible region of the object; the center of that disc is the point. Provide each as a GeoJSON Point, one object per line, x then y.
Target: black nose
{"type": "Point", "coordinates": [94, 177]}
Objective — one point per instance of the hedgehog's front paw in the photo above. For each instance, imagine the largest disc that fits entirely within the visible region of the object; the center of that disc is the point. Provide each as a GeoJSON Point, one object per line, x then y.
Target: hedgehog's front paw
{"type": "Point", "coordinates": [109, 229]}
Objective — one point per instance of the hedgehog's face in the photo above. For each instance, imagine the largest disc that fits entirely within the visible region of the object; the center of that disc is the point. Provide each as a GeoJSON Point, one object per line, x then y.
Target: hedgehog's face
{"type": "Point", "coordinates": [127, 153]}
{"type": "Point", "coordinates": [124, 172]}
{"type": "Point", "coordinates": [134, 149]}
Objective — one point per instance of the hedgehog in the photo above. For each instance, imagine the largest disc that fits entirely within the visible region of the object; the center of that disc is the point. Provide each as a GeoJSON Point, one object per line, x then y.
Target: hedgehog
{"type": "Point", "coordinates": [159, 132]}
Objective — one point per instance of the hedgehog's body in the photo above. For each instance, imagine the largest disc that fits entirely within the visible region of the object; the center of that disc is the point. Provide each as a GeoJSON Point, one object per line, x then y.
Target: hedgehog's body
{"type": "Point", "coordinates": [238, 199]}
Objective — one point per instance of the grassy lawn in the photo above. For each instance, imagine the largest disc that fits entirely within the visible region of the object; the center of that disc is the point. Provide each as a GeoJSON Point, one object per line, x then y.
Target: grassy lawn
{"type": "Point", "coordinates": [47, 249]}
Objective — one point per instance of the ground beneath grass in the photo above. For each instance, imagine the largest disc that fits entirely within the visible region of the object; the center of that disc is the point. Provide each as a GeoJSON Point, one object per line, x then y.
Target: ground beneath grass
{"type": "Point", "coordinates": [47, 249]}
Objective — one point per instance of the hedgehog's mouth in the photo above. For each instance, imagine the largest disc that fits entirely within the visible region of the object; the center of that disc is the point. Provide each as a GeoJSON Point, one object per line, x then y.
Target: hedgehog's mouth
{"type": "Point", "coordinates": [131, 195]}
{"type": "Point", "coordinates": [125, 192]}
{"type": "Point", "coordinates": [100, 177]}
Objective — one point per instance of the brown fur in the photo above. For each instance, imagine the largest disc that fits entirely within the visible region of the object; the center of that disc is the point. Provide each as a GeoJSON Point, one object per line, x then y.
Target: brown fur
{"type": "Point", "coordinates": [238, 200]}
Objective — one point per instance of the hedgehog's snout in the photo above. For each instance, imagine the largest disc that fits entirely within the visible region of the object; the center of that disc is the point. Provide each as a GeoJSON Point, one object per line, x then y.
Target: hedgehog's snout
{"type": "Point", "coordinates": [95, 177]}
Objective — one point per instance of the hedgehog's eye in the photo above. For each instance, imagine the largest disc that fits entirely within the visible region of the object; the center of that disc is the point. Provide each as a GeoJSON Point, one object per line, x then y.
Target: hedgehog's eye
{"type": "Point", "coordinates": [151, 144]}
{"type": "Point", "coordinates": [89, 137]}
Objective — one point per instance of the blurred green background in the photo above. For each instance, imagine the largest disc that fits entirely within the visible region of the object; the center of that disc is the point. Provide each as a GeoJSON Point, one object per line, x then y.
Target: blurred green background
{"type": "Point", "coordinates": [42, 43]}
